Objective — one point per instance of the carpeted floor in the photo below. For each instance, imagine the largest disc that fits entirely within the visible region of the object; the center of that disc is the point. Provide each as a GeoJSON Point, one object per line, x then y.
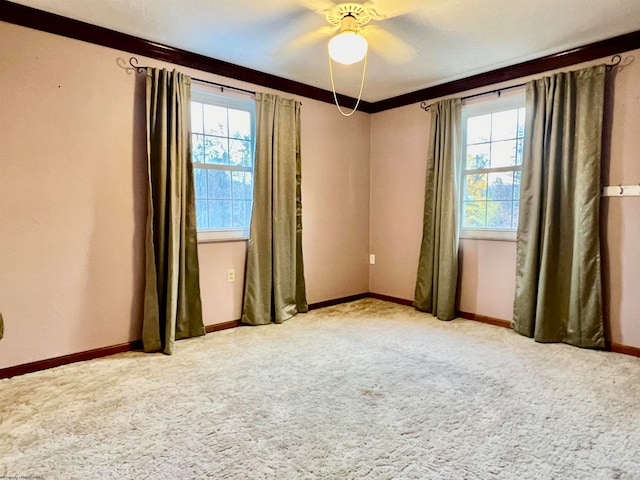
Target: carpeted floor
{"type": "Point", "coordinates": [366, 390]}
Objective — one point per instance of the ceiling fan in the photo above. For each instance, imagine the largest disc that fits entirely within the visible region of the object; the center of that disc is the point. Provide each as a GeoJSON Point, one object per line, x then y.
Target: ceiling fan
{"type": "Point", "coordinates": [355, 17]}
{"type": "Point", "coordinates": [351, 37]}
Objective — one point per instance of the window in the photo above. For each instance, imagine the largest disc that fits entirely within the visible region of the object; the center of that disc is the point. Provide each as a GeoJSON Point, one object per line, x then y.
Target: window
{"type": "Point", "coordinates": [492, 145]}
{"type": "Point", "coordinates": [223, 132]}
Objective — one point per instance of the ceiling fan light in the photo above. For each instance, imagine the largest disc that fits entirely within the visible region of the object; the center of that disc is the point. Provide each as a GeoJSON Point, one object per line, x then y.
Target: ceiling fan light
{"type": "Point", "coordinates": [348, 48]}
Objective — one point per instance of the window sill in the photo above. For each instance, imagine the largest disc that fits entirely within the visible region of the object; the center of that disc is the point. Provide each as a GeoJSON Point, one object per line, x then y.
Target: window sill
{"type": "Point", "coordinates": [488, 234]}
{"type": "Point", "coordinates": [230, 235]}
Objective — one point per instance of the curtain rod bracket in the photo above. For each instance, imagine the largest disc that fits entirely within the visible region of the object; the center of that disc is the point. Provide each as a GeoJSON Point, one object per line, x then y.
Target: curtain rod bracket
{"type": "Point", "coordinates": [615, 61]}
{"type": "Point", "coordinates": [133, 61]}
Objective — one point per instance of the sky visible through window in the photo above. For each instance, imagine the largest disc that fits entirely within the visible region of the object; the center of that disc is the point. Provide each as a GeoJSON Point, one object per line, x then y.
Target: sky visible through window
{"type": "Point", "coordinates": [222, 146]}
{"type": "Point", "coordinates": [491, 181]}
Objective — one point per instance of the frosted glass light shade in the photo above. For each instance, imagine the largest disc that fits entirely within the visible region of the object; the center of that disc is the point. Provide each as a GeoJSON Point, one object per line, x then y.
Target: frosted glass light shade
{"type": "Point", "coordinates": [348, 48]}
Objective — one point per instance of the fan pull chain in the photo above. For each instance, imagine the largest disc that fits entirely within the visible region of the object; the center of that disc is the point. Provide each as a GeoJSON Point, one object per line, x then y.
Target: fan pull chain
{"type": "Point", "coordinates": [333, 86]}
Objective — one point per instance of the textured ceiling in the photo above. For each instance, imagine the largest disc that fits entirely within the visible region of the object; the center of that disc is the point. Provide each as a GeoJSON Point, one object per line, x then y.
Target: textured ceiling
{"type": "Point", "coordinates": [449, 39]}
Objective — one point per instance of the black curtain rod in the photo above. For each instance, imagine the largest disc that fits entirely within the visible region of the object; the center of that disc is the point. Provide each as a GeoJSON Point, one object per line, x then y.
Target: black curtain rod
{"type": "Point", "coordinates": [133, 61]}
{"type": "Point", "coordinates": [425, 106]}
{"type": "Point", "coordinates": [615, 61]}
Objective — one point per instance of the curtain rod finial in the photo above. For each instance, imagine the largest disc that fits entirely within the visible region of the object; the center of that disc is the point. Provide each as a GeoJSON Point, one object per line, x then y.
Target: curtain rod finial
{"type": "Point", "coordinates": [133, 61]}
{"type": "Point", "coordinates": [615, 61]}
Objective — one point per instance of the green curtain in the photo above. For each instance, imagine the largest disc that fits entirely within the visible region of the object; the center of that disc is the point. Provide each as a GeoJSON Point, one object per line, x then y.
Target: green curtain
{"type": "Point", "coordinates": [558, 278]}
{"type": "Point", "coordinates": [172, 305]}
{"type": "Point", "coordinates": [437, 281]}
{"type": "Point", "coordinates": [274, 282]}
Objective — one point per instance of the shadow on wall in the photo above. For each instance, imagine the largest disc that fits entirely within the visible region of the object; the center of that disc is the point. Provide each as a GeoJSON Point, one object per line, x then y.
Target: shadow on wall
{"type": "Point", "coordinates": [605, 218]}
{"type": "Point", "coordinates": [468, 263]}
{"type": "Point", "coordinates": [140, 192]}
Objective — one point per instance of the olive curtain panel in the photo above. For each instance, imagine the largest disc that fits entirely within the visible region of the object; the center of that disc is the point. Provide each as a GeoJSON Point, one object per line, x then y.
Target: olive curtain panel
{"type": "Point", "coordinates": [172, 305]}
{"type": "Point", "coordinates": [274, 282]}
{"type": "Point", "coordinates": [558, 278]}
{"type": "Point", "coordinates": [437, 280]}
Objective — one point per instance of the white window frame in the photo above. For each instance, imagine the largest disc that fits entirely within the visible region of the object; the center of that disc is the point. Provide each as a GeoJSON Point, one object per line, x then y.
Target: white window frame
{"type": "Point", "coordinates": [237, 101]}
{"type": "Point", "coordinates": [510, 101]}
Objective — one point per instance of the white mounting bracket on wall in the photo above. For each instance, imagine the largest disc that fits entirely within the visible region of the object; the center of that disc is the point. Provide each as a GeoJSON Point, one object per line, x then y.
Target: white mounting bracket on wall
{"type": "Point", "coordinates": [621, 191]}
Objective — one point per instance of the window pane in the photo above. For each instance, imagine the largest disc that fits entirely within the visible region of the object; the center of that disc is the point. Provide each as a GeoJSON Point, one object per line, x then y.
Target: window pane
{"type": "Point", "coordinates": [239, 124]}
{"type": "Point", "coordinates": [503, 154]}
{"type": "Point", "coordinates": [200, 180]}
{"type": "Point", "coordinates": [478, 156]}
{"type": "Point", "coordinates": [475, 214]}
{"type": "Point", "coordinates": [201, 215]}
{"type": "Point", "coordinates": [499, 214]}
{"type": "Point", "coordinates": [504, 125]}
{"type": "Point", "coordinates": [521, 119]}
{"type": "Point", "coordinates": [500, 186]}
{"type": "Point", "coordinates": [479, 129]}
{"type": "Point", "coordinates": [219, 213]}
{"type": "Point", "coordinates": [216, 150]}
{"type": "Point", "coordinates": [242, 185]}
{"type": "Point", "coordinates": [196, 118]}
{"type": "Point", "coordinates": [219, 184]}
{"type": "Point", "coordinates": [475, 187]}
{"type": "Point", "coordinates": [197, 148]}
{"type": "Point", "coordinates": [222, 142]}
{"type": "Point", "coordinates": [494, 141]}
{"type": "Point", "coordinates": [215, 120]}
{"type": "Point", "coordinates": [240, 152]}
{"type": "Point", "coordinates": [241, 213]}
{"type": "Point", "coordinates": [519, 151]}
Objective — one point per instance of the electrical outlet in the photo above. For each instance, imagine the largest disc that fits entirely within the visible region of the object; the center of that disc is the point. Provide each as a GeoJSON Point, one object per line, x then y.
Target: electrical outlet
{"type": "Point", "coordinates": [231, 276]}
{"type": "Point", "coordinates": [372, 259]}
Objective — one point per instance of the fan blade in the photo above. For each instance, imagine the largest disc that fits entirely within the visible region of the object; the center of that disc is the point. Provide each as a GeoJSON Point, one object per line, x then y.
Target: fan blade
{"type": "Point", "coordinates": [306, 40]}
{"type": "Point", "coordinates": [383, 10]}
{"type": "Point", "coordinates": [318, 6]}
{"type": "Point", "coordinates": [392, 49]}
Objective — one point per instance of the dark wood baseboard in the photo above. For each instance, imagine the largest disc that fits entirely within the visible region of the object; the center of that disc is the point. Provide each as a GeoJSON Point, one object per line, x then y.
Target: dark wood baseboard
{"type": "Point", "coordinates": [387, 298]}
{"type": "Point", "coordinates": [92, 354]}
{"type": "Point", "coordinates": [72, 358]}
{"type": "Point", "coordinates": [625, 349]}
{"type": "Point", "coordinates": [338, 301]}
{"type": "Point", "coordinates": [137, 344]}
{"type": "Point", "coordinates": [498, 322]}
{"type": "Point", "coordinates": [222, 326]}
{"type": "Point", "coordinates": [613, 347]}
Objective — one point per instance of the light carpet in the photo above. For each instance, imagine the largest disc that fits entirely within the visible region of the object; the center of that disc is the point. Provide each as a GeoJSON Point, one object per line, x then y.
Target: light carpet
{"type": "Point", "coordinates": [365, 390]}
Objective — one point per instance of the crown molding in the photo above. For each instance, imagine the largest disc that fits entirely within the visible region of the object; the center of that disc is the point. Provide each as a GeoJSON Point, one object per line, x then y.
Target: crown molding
{"type": "Point", "coordinates": [48, 22]}
{"type": "Point", "coordinates": [51, 23]}
{"type": "Point", "coordinates": [593, 51]}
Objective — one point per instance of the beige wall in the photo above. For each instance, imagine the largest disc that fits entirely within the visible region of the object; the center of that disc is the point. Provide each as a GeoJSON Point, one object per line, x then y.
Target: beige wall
{"type": "Point", "coordinates": [73, 196]}
{"type": "Point", "coordinates": [335, 199]}
{"type": "Point", "coordinates": [73, 200]}
{"type": "Point", "coordinates": [399, 142]}
{"type": "Point", "coordinates": [621, 218]}
{"type": "Point", "coordinates": [487, 280]}
{"type": "Point", "coordinates": [487, 283]}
